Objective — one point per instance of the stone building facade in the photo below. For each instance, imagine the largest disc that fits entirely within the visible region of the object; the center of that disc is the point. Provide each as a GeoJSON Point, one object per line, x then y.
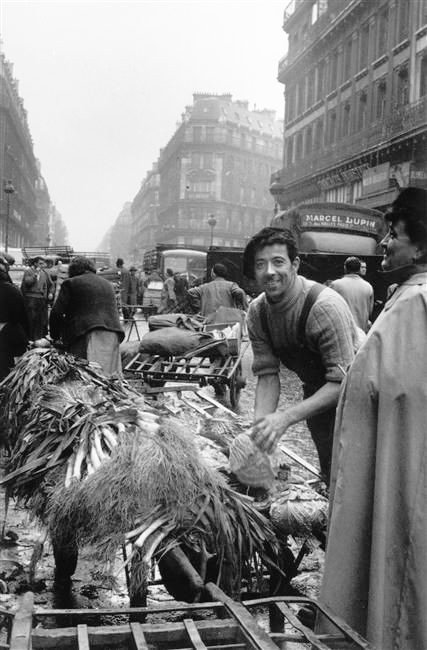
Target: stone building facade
{"type": "Point", "coordinates": [216, 168]}
{"type": "Point", "coordinates": [18, 165]}
{"type": "Point", "coordinates": [144, 209]}
{"type": "Point", "coordinates": [355, 79]}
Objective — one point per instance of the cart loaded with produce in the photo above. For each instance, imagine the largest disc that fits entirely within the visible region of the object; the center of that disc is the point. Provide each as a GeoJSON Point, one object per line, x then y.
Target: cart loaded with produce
{"type": "Point", "coordinates": [98, 465]}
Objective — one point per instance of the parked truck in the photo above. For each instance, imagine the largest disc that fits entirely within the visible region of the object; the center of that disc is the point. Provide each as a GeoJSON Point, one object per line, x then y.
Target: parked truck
{"type": "Point", "coordinates": [181, 259]}
{"type": "Point", "coordinates": [326, 234]}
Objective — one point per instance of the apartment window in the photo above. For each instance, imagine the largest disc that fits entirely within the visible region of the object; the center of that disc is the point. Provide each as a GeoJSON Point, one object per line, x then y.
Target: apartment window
{"type": "Point", "coordinates": [196, 160]}
{"type": "Point", "coordinates": [310, 87]}
{"type": "Point", "coordinates": [423, 76]}
{"type": "Point", "coordinates": [308, 140]}
{"type": "Point", "coordinates": [364, 46]}
{"type": "Point", "coordinates": [348, 59]}
{"type": "Point", "coordinates": [362, 110]}
{"type": "Point", "coordinates": [199, 189]}
{"type": "Point", "coordinates": [401, 95]}
{"type": "Point", "coordinates": [382, 31]}
{"type": "Point", "coordinates": [319, 134]}
{"type": "Point", "coordinates": [290, 103]}
{"type": "Point", "coordinates": [320, 80]}
{"type": "Point", "coordinates": [208, 160]}
{"type": "Point", "coordinates": [197, 133]}
{"type": "Point", "coordinates": [298, 147]}
{"type": "Point", "coordinates": [290, 150]}
{"type": "Point", "coordinates": [346, 120]}
{"type": "Point", "coordinates": [422, 14]}
{"type": "Point", "coordinates": [332, 127]}
{"type": "Point", "coordinates": [341, 194]}
{"type": "Point", "coordinates": [333, 71]}
{"type": "Point", "coordinates": [300, 97]}
{"type": "Point", "coordinates": [380, 109]}
{"type": "Point", "coordinates": [210, 133]}
{"type": "Point", "coordinates": [356, 191]}
{"type": "Point", "coordinates": [402, 21]}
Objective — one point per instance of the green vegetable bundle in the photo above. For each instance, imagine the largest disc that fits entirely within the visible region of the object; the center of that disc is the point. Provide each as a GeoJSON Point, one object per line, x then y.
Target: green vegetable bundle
{"type": "Point", "coordinates": [98, 466]}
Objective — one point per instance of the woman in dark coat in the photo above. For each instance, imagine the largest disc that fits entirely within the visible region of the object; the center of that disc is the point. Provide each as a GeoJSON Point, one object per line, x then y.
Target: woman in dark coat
{"type": "Point", "coordinates": [14, 325]}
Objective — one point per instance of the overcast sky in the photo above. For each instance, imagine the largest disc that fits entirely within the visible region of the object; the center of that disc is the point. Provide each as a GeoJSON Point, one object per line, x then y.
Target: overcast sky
{"type": "Point", "coordinates": [105, 82]}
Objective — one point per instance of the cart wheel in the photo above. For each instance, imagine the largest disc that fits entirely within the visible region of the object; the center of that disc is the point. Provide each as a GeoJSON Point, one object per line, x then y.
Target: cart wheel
{"type": "Point", "coordinates": [219, 389]}
{"type": "Point", "coordinates": [237, 382]}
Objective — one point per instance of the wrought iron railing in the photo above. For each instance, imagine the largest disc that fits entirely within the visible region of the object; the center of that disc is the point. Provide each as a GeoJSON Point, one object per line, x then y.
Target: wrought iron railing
{"type": "Point", "coordinates": [405, 118]}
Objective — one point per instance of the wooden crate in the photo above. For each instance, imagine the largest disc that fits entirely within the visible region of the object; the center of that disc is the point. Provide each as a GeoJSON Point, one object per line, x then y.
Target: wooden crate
{"type": "Point", "coordinates": [220, 624]}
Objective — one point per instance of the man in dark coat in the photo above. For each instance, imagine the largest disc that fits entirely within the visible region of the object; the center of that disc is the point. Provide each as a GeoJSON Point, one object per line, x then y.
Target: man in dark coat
{"type": "Point", "coordinates": [37, 289]}
{"type": "Point", "coordinates": [14, 326]}
{"type": "Point", "coordinates": [86, 318]}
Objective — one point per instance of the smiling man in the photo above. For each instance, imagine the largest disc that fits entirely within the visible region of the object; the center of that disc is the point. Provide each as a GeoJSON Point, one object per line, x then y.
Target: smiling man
{"type": "Point", "coordinates": [307, 327]}
{"type": "Point", "coordinates": [376, 560]}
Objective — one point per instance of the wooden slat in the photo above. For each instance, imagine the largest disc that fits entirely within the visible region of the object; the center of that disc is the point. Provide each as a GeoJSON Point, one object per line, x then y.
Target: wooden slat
{"type": "Point", "coordinates": [158, 634]}
{"type": "Point", "coordinates": [256, 635]}
{"type": "Point", "coordinates": [296, 623]}
{"type": "Point", "coordinates": [138, 639]}
{"type": "Point", "coordinates": [20, 638]}
{"type": "Point", "coordinates": [194, 635]}
{"type": "Point", "coordinates": [82, 637]}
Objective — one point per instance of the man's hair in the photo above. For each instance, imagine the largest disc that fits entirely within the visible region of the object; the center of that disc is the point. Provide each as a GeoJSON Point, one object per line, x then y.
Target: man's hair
{"type": "Point", "coordinates": [119, 261]}
{"type": "Point", "coordinates": [169, 272]}
{"type": "Point", "coordinates": [80, 265]}
{"type": "Point", "coordinates": [267, 237]}
{"type": "Point", "coordinates": [220, 270]}
{"type": "Point", "coordinates": [352, 265]}
{"type": "Point", "coordinates": [410, 207]}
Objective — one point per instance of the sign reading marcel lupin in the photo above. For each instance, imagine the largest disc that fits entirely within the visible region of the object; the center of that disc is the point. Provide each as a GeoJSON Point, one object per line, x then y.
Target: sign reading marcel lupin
{"type": "Point", "coordinates": [332, 217]}
{"type": "Point", "coordinates": [342, 217]}
{"type": "Point", "coordinates": [320, 220]}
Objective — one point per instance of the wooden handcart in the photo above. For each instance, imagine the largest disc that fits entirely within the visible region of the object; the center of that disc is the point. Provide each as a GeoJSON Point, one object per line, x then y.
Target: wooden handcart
{"type": "Point", "coordinates": [219, 624]}
{"type": "Point", "coordinates": [202, 367]}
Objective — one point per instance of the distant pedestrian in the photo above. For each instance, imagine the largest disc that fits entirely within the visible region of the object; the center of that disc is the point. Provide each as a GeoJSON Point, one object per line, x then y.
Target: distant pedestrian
{"type": "Point", "coordinates": [14, 325]}
{"type": "Point", "coordinates": [219, 292]}
{"type": "Point", "coordinates": [181, 288]}
{"type": "Point", "coordinates": [123, 277]}
{"type": "Point", "coordinates": [130, 293]}
{"type": "Point", "coordinates": [363, 268]}
{"type": "Point", "coordinates": [357, 292]}
{"type": "Point", "coordinates": [37, 289]}
{"type": "Point", "coordinates": [168, 299]}
{"type": "Point", "coordinates": [85, 317]}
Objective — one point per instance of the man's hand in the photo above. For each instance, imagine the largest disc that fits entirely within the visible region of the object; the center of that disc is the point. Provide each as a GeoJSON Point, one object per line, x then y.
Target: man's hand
{"type": "Point", "coordinates": [267, 431]}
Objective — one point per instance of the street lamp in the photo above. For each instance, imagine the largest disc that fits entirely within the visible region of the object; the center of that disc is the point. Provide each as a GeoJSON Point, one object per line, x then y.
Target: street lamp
{"type": "Point", "coordinates": [211, 224]}
{"type": "Point", "coordinates": [8, 189]}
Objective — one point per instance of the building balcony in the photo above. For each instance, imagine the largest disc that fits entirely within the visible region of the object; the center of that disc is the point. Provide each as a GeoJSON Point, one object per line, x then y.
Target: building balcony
{"type": "Point", "coordinates": [344, 149]}
{"type": "Point", "coordinates": [406, 118]}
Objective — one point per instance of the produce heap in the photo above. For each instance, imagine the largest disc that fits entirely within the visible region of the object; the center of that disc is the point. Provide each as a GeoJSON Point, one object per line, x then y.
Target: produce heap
{"type": "Point", "coordinates": [97, 465]}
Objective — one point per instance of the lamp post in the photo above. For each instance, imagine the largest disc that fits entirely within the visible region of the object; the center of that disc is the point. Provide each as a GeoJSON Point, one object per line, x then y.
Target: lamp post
{"type": "Point", "coordinates": [8, 189]}
{"type": "Point", "coordinates": [211, 224]}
